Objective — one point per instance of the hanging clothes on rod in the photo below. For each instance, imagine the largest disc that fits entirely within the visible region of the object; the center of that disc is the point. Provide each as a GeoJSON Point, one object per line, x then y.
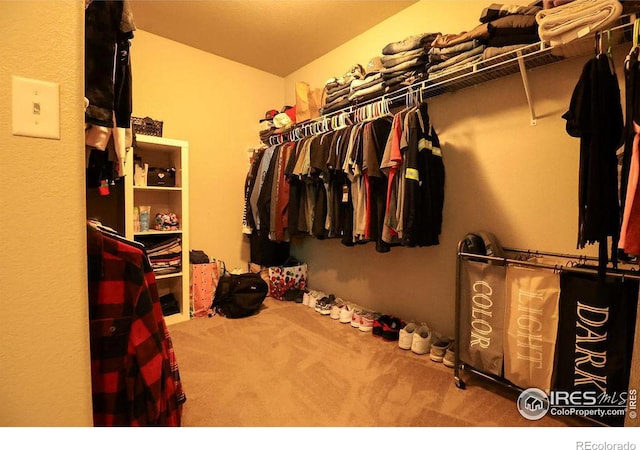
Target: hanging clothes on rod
{"type": "Point", "coordinates": [630, 166]}
{"type": "Point", "coordinates": [338, 170]}
{"type": "Point", "coordinates": [595, 116]}
{"type": "Point", "coordinates": [109, 28]}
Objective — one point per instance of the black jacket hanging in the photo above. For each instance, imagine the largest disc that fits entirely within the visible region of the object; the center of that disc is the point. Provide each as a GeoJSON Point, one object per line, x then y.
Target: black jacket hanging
{"type": "Point", "coordinates": [595, 116]}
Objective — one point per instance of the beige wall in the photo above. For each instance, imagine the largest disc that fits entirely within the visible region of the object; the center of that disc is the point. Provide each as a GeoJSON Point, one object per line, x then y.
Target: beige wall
{"type": "Point", "coordinates": [215, 104]}
{"type": "Point", "coordinates": [502, 174]}
{"type": "Point", "coordinates": [45, 367]}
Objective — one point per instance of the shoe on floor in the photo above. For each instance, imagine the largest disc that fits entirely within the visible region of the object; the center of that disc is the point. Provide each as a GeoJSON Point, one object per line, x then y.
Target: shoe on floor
{"type": "Point", "coordinates": [439, 349]}
{"type": "Point", "coordinates": [314, 296]}
{"type": "Point", "coordinates": [377, 325]}
{"type": "Point", "coordinates": [421, 343]}
{"type": "Point", "coordinates": [449, 359]}
{"type": "Point", "coordinates": [391, 327]}
{"type": "Point", "coordinates": [321, 301]}
{"type": "Point", "coordinates": [305, 298]}
{"type": "Point", "coordinates": [367, 320]}
{"type": "Point", "coordinates": [324, 305]}
{"type": "Point", "coordinates": [356, 317]}
{"type": "Point", "coordinates": [336, 308]}
{"type": "Point", "coordinates": [346, 313]}
{"type": "Point", "coordinates": [406, 336]}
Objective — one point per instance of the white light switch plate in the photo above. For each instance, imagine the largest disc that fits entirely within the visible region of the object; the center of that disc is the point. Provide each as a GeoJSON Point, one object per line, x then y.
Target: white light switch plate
{"type": "Point", "coordinates": [35, 108]}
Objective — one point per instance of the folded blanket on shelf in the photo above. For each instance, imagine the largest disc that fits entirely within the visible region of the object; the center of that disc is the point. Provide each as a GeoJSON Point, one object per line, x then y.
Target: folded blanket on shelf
{"type": "Point", "coordinates": [371, 80]}
{"type": "Point", "coordinates": [547, 4]}
{"type": "Point", "coordinates": [410, 43]}
{"type": "Point", "coordinates": [397, 58]}
{"type": "Point", "coordinates": [481, 32]}
{"type": "Point", "coordinates": [439, 54]}
{"type": "Point", "coordinates": [436, 72]}
{"type": "Point", "coordinates": [577, 19]}
{"type": "Point", "coordinates": [494, 52]}
{"type": "Point", "coordinates": [497, 10]}
{"type": "Point", "coordinates": [404, 79]}
{"type": "Point", "coordinates": [462, 58]}
{"type": "Point", "coordinates": [372, 90]}
{"type": "Point", "coordinates": [405, 66]}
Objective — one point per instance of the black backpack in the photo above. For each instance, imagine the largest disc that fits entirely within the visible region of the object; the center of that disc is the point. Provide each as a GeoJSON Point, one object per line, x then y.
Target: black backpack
{"type": "Point", "coordinates": [239, 295]}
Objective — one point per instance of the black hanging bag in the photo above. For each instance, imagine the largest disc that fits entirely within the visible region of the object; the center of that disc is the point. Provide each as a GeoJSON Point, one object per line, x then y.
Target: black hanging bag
{"type": "Point", "coordinates": [239, 295]}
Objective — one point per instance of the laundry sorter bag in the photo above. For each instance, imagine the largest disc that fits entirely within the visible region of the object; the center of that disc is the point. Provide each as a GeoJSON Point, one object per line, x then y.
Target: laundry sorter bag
{"type": "Point", "coordinates": [531, 321]}
{"type": "Point", "coordinates": [204, 280]}
{"type": "Point", "coordinates": [481, 319]}
{"type": "Point", "coordinates": [595, 340]}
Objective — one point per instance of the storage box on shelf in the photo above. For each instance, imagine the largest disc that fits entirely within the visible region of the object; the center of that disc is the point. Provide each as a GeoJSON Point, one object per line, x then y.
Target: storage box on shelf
{"type": "Point", "coordinates": [171, 157]}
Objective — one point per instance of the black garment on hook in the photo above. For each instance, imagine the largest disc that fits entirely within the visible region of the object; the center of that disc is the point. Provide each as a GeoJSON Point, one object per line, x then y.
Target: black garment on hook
{"type": "Point", "coordinates": [595, 116]}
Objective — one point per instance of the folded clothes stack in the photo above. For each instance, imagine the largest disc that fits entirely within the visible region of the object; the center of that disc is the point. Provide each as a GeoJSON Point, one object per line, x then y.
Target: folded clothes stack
{"type": "Point", "coordinates": [405, 62]}
{"type": "Point", "coordinates": [338, 90]}
{"type": "Point", "coordinates": [451, 58]}
{"type": "Point", "coordinates": [166, 256]}
{"type": "Point", "coordinates": [371, 86]}
{"type": "Point", "coordinates": [501, 27]}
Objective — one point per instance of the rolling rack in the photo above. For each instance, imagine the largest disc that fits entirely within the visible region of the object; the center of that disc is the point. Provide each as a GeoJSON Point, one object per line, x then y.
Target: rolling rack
{"type": "Point", "coordinates": [570, 263]}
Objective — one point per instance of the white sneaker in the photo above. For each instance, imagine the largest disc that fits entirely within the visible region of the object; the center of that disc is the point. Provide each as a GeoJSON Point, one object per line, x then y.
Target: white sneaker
{"type": "Point", "coordinates": [406, 336]}
{"type": "Point", "coordinates": [356, 317]}
{"type": "Point", "coordinates": [315, 296]}
{"type": "Point", "coordinates": [346, 313]}
{"type": "Point", "coordinates": [367, 319]}
{"type": "Point", "coordinates": [336, 308]}
{"type": "Point", "coordinates": [421, 343]}
{"type": "Point", "coordinates": [305, 298]}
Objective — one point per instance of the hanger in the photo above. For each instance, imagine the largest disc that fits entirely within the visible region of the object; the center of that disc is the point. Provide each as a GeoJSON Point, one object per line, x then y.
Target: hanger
{"type": "Point", "coordinates": [634, 47]}
{"type": "Point", "coordinates": [96, 225]}
{"type": "Point", "coordinates": [408, 97]}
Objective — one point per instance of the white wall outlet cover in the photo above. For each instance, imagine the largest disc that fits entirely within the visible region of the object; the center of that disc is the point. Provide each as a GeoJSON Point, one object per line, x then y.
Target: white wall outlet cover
{"type": "Point", "coordinates": [35, 108]}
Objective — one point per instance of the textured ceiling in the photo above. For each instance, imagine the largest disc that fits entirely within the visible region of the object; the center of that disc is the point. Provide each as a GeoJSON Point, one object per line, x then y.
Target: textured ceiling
{"type": "Point", "coordinates": [277, 36]}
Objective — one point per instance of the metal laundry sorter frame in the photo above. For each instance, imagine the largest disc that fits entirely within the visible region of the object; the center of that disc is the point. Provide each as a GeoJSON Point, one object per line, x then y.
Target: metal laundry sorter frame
{"type": "Point", "coordinates": [572, 263]}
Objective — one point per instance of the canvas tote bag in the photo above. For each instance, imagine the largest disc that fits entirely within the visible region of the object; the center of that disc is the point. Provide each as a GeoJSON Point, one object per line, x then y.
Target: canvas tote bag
{"type": "Point", "coordinates": [481, 320]}
{"type": "Point", "coordinates": [531, 326]}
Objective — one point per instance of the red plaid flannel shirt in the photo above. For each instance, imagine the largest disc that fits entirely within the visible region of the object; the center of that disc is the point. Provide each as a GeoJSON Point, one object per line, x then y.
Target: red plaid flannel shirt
{"type": "Point", "coordinates": [135, 377]}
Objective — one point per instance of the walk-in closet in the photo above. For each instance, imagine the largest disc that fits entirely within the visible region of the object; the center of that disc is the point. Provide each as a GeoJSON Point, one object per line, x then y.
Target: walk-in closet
{"type": "Point", "coordinates": [437, 198]}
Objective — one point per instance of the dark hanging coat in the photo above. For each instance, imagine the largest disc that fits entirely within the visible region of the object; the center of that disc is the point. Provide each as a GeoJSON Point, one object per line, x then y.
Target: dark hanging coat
{"type": "Point", "coordinates": [595, 116]}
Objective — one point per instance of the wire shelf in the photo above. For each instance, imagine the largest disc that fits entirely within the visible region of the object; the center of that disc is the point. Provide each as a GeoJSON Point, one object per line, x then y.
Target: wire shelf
{"type": "Point", "coordinates": [516, 61]}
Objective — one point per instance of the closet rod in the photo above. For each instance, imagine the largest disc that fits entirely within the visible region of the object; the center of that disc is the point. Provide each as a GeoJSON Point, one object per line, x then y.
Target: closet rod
{"type": "Point", "coordinates": [559, 268]}
{"type": "Point", "coordinates": [555, 255]}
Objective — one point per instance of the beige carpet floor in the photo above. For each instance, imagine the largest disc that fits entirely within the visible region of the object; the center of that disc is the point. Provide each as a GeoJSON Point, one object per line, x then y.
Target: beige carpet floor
{"type": "Point", "coordinates": [289, 366]}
